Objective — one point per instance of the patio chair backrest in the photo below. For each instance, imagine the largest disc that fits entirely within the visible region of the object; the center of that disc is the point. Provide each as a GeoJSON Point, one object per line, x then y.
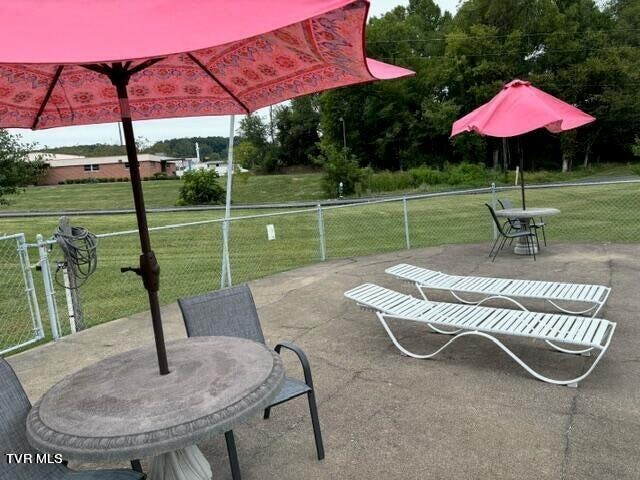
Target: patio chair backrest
{"type": "Point", "coordinates": [14, 407]}
{"type": "Point", "coordinates": [230, 312]}
{"type": "Point", "coordinates": [495, 219]}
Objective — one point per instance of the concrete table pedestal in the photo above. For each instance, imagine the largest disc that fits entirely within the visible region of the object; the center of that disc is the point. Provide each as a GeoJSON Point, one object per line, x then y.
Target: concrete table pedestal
{"type": "Point", "coordinates": [184, 464]}
{"type": "Point", "coordinates": [121, 408]}
{"type": "Point", "coordinates": [525, 217]}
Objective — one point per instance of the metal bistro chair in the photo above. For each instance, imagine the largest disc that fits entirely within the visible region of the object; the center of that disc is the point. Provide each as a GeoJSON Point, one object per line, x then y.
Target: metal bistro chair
{"type": "Point", "coordinates": [514, 223]}
{"type": "Point", "coordinates": [504, 236]}
{"type": "Point", "coordinates": [232, 312]}
{"type": "Point", "coordinates": [14, 407]}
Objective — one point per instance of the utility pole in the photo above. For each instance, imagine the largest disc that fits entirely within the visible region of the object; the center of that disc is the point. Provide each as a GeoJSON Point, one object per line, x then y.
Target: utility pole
{"type": "Point", "coordinates": [271, 123]}
{"type": "Point", "coordinates": [344, 136]}
{"type": "Point", "coordinates": [120, 133]}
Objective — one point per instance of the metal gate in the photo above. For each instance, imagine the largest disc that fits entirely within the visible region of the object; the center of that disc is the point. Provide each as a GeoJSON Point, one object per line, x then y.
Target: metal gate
{"type": "Point", "coordinates": [20, 322]}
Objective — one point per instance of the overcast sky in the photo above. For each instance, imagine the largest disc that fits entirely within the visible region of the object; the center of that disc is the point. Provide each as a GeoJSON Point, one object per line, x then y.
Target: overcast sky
{"type": "Point", "coordinates": [155, 130]}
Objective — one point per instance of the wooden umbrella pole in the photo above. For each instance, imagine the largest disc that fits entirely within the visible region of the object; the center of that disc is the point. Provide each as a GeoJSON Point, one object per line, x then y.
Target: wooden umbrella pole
{"type": "Point", "coordinates": [149, 269]}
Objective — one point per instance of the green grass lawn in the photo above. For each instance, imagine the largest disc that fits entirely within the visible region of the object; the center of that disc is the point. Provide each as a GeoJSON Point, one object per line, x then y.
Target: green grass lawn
{"type": "Point", "coordinates": [247, 189]}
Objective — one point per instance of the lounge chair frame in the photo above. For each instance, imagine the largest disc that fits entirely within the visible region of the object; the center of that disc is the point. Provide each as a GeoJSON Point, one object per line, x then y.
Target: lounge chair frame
{"type": "Point", "coordinates": [494, 288]}
{"type": "Point", "coordinates": [585, 333]}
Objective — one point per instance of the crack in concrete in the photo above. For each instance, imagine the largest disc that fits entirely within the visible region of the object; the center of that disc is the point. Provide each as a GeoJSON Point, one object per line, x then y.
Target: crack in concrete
{"type": "Point", "coordinates": [574, 401]}
{"type": "Point", "coordinates": [567, 434]}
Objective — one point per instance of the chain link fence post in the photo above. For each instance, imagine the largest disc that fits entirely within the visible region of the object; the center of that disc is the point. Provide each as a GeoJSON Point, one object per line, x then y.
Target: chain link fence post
{"type": "Point", "coordinates": [49, 292]}
{"type": "Point", "coordinates": [406, 222]}
{"type": "Point", "coordinates": [323, 248]}
{"type": "Point", "coordinates": [30, 289]}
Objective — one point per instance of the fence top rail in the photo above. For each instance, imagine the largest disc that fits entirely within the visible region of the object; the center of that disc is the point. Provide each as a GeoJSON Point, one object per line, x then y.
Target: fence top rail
{"type": "Point", "coordinates": [13, 236]}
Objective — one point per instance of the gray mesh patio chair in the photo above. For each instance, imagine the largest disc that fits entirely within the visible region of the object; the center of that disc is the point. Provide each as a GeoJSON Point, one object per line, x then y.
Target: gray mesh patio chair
{"type": "Point", "coordinates": [504, 236]}
{"type": "Point", "coordinates": [536, 225]}
{"type": "Point", "coordinates": [14, 407]}
{"type": "Point", "coordinates": [232, 312]}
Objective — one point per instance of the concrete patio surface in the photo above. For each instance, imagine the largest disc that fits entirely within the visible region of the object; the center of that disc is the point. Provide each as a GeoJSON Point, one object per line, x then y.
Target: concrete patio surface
{"type": "Point", "coordinates": [471, 413]}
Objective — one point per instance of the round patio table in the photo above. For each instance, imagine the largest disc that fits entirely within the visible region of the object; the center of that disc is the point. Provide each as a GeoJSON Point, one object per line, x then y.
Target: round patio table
{"type": "Point", "coordinates": [121, 408]}
{"type": "Point", "coordinates": [522, 248]}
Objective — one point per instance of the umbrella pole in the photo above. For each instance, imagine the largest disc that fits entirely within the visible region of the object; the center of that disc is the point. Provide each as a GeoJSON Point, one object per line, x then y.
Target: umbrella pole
{"type": "Point", "coordinates": [149, 269]}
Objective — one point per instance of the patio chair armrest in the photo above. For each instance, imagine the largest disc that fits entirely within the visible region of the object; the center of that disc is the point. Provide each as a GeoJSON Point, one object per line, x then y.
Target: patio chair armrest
{"type": "Point", "coordinates": [304, 361]}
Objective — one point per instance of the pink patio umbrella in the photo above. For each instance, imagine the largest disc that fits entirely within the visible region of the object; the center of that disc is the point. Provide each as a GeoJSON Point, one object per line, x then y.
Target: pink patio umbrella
{"type": "Point", "coordinates": [74, 62]}
{"type": "Point", "coordinates": [520, 108]}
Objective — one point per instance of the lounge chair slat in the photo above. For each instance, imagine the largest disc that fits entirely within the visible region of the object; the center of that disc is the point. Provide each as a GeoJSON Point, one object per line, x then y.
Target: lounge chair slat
{"type": "Point", "coordinates": [489, 286]}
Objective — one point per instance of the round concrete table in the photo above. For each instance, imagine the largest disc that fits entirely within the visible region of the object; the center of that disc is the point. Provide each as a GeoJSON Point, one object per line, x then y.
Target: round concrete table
{"type": "Point", "coordinates": [522, 248]}
{"type": "Point", "coordinates": [121, 408]}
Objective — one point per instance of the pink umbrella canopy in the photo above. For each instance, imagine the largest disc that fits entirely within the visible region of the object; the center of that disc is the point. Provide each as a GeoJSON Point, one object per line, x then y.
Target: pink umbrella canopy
{"type": "Point", "coordinates": [520, 108]}
{"type": "Point", "coordinates": [199, 57]}
{"type": "Point", "coordinates": [77, 62]}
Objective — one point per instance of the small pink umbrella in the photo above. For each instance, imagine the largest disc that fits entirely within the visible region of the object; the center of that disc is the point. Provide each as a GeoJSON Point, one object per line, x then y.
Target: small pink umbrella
{"type": "Point", "coordinates": [74, 62]}
{"type": "Point", "coordinates": [520, 108]}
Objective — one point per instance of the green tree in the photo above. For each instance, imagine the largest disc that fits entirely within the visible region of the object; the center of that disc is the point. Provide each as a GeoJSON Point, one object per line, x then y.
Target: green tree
{"type": "Point", "coordinates": [201, 187]}
{"type": "Point", "coordinates": [16, 171]}
{"type": "Point", "coordinates": [297, 127]}
{"type": "Point", "coordinates": [256, 151]}
{"type": "Point", "coordinates": [340, 166]}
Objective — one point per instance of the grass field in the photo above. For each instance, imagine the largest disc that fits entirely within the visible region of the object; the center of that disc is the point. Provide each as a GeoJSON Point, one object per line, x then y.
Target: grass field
{"type": "Point", "coordinates": [247, 189]}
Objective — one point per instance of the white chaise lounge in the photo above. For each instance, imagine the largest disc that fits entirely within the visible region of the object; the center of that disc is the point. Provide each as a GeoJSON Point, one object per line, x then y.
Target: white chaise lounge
{"type": "Point", "coordinates": [553, 292]}
{"type": "Point", "coordinates": [582, 333]}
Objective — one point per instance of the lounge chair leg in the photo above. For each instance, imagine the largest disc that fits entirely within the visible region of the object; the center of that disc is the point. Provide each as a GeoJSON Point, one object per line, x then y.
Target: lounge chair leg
{"type": "Point", "coordinates": [575, 312]}
{"type": "Point", "coordinates": [317, 433]}
{"type": "Point", "coordinates": [267, 413]}
{"type": "Point", "coordinates": [233, 455]}
{"type": "Point", "coordinates": [585, 352]}
{"type": "Point", "coordinates": [572, 382]}
{"type": "Point", "coordinates": [572, 385]}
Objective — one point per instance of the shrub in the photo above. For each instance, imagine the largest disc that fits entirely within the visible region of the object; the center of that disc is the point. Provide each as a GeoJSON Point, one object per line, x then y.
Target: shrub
{"type": "Point", "coordinates": [466, 173]}
{"type": "Point", "coordinates": [160, 176]}
{"type": "Point", "coordinates": [426, 176]}
{"type": "Point", "coordinates": [339, 166]}
{"type": "Point", "coordinates": [201, 187]}
{"type": "Point", "coordinates": [387, 181]}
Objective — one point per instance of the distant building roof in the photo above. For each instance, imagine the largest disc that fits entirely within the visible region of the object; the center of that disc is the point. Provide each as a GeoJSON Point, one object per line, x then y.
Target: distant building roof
{"type": "Point", "coordinates": [62, 160]}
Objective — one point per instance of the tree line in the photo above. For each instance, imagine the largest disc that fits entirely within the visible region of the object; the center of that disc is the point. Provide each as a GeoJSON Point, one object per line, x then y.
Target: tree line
{"type": "Point", "coordinates": [585, 53]}
{"type": "Point", "coordinates": [211, 148]}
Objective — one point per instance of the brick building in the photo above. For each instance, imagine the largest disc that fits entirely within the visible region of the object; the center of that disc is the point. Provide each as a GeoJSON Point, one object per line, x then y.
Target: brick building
{"type": "Point", "coordinates": [73, 167]}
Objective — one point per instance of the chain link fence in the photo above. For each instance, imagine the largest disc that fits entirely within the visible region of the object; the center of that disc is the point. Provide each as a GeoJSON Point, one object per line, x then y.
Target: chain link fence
{"type": "Point", "coordinates": [190, 254]}
{"type": "Point", "coordinates": [20, 323]}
